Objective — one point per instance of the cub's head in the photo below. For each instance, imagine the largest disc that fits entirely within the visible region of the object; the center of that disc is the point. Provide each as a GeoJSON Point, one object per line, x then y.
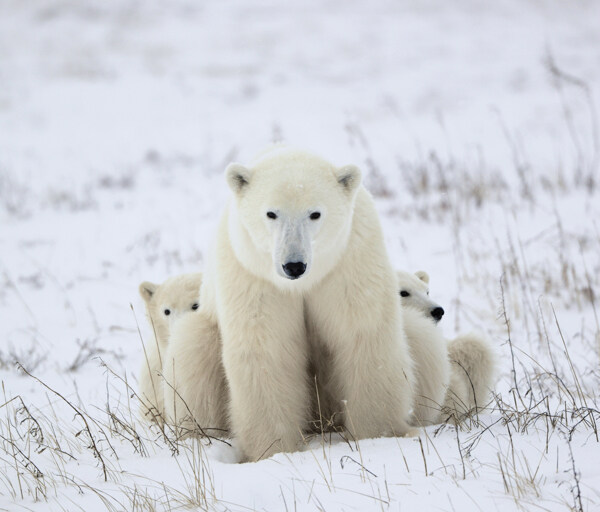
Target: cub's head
{"type": "Point", "coordinates": [414, 293]}
{"type": "Point", "coordinates": [292, 215]}
{"type": "Point", "coordinates": [166, 302]}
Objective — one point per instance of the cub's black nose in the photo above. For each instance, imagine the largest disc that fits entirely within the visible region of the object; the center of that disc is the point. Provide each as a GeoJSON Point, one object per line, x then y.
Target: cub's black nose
{"type": "Point", "coordinates": [437, 313]}
{"type": "Point", "coordinates": [294, 269]}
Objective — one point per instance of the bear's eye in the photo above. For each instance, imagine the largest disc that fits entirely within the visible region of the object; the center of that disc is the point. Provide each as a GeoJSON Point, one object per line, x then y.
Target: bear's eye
{"type": "Point", "coordinates": [271, 215]}
{"type": "Point", "coordinates": [194, 307]}
{"type": "Point", "coordinates": [167, 312]}
{"type": "Point", "coordinates": [315, 215]}
{"type": "Point", "coordinates": [404, 293]}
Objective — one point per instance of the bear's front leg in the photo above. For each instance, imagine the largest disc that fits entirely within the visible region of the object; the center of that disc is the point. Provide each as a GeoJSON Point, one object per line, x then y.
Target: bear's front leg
{"type": "Point", "coordinates": [265, 359]}
{"type": "Point", "coordinates": [371, 370]}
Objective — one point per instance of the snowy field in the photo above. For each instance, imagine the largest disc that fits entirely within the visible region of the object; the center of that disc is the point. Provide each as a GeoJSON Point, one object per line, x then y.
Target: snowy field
{"type": "Point", "coordinates": [477, 127]}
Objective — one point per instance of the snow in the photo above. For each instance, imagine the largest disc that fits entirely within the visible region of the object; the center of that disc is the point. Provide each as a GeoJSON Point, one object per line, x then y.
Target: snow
{"type": "Point", "coordinates": [476, 125]}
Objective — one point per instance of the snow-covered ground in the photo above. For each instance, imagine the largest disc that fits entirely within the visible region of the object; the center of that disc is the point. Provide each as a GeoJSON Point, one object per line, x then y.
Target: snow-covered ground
{"type": "Point", "coordinates": [477, 126]}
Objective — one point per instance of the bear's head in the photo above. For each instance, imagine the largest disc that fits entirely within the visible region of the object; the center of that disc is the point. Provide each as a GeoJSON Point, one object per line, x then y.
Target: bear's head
{"type": "Point", "coordinates": [167, 302]}
{"type": "Point", "coordinates": [414, 293]}
{"type": "Point", "coordinates": [291, 216]}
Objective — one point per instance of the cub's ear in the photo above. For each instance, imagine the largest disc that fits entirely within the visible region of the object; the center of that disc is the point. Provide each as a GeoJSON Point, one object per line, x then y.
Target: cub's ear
{"type": "Point", "coordinates": [423, 276]}
{"type": "Point", "coordinates": [147, 290]}
{"type": "Point", "coordinates": [349, 177]}
{"type": "Point", "coordinates": [238, 177]}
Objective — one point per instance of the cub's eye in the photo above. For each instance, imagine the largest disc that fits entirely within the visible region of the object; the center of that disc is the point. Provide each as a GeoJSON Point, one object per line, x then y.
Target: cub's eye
{"type": "Point", "coordinates": [167, 312]}
{"type": "Point", "coordinates": [315, 215]}
{"type": "Point", "coordinates": [404, 293]}
{"type": "Point", "coordinates": [271, 215]}
{"type": "Point", "coordinates": [194, 307]}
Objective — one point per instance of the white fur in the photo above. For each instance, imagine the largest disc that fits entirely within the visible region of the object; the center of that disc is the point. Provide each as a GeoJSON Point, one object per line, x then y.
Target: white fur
{"type": "Point", "coordinates": [428, 349]}
{"type": "Point", "coordinates": [417, 287]}
{"type": "Point", "coordinates": [473, 370]}
{"type": "Point", "coordinates": [178, 296]}
{"type": "Point", "coordinates": [453, 378]}
{"type": "Point", "coordinates": [195, 389]}
{"type": "Point", "coordinates": [347, 299]}
{"type": "Point", "coordinates": [432, 367]}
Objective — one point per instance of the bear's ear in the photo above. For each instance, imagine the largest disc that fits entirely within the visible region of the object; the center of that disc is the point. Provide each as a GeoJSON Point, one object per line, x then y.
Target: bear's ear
{"type": "Point", "coordinates": [349, 177]}
{"type": "Point", "coordinates": [238, 176]}
{"type": "Point", "coordinates": [147, 290]}
{"type": "Point", "coordinates": [423, 276]}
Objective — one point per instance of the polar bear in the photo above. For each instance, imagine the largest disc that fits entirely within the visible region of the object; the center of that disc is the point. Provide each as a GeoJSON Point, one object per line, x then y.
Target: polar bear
{"type": "Point", "coordinates": [472, 359]}
{"type": "Point", "coordinates": [300, 248]}
{"type": "Point", "coordinates": [198, 361]}
{"type": "Point", "coordinates": [427, 345]}
{"type": "Point", "coordinates": [414, 290]}
{"type": "Point", "coordinates": [165, 304]}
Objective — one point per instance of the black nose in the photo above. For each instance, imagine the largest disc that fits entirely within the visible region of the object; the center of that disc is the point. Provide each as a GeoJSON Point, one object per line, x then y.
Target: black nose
{"type": "Point", "coordinates": [294, 269]}
{"type": "Point", "coordinates": [437, 313]}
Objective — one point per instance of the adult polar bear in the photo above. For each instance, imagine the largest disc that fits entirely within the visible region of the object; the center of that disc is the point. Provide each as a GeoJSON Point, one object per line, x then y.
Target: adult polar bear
{"type": "Point", "coordinates": [300, 248]}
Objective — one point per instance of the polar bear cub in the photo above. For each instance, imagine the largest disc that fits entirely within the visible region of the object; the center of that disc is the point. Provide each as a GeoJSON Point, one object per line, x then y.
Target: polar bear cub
{"type": "Point", "coordinates": [165, 303]}
{"type": "Point", "coordinates": [472, 359]}
{"type": "Point", "coordinates": [428, 347]}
